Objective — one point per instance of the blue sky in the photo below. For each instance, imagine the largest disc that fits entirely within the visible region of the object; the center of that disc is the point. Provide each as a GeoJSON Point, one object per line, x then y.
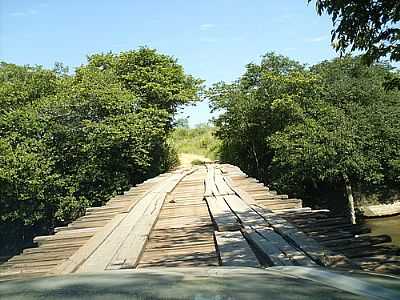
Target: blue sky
{"type": "Point", "coordinates": [212, 39]}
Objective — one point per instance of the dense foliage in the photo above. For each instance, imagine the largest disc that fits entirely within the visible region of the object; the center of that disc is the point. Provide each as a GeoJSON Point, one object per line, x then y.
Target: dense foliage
{"type": "Point", "coordinates": [71, 141]}
{"type": "Point", "coordinates": [312, 132]}
{"type": "Point", "coordinates": [369, 26]}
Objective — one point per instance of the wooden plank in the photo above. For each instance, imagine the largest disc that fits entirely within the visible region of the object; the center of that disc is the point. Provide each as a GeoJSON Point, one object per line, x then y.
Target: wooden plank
{"type": "Point", "coordinates": [130, 251]}
{"type": "Point", "coordinates": [372, 251]}
{"type": "Point", "coordinates": [160, 187]}
{"type": "Point", "coordinates": [233, 250]}
{"type": "Point", "coordinates": [42, 256]}
{"type": "Point", "coordinates": [82, 255]}
{"type": "Point", "coordinates": [297, 257]}
{"type": "Point", "coordinates": [221, 185]}
{"type": "Point", "coordinates": [209, 182]}
{"type": "Point", "coordinates": [132, 230]}
{"type": "Point", "coordinates": [222, 216]}
{"type": "Point", "coordinates": [100, 258]}
{"type": "Point", "coordinates": [76, 260]}
{"type": "Point", "coordinates": [266, 195]}
{"type": "Point", "coordinates": [373, 240]}
{"type": "Point", "coordinates": [33, 264]}
{"type": "Point", "coordinates": [211, 188]}
{"type": "Point", "coordinates": [52, 250]}
{"type": "Point", "coordinates": [71, 234]}
{"type": "Point", "coordinates": [272, 256]}
{"type": "Point", "coordinates": [246, 215]}
{"type": "Point", "coordinates": [246, 197]}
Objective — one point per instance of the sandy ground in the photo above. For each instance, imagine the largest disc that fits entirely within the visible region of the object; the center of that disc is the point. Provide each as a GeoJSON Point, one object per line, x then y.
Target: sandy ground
{"type": "Point", "coordinates": [187, 158]}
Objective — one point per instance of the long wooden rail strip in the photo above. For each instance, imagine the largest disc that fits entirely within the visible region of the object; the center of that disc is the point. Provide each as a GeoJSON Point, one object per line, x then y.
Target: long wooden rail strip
{"type": "Point", "coordinates": [269, 253]}
{"type": "Point", "coordinates": [127, 229]}
{"type": "Point", "coordinates": [233, 250]}
{"type": "Point", "coordinates": [222, 216]}
{"type": "Point", "coordinates": [309, 246]}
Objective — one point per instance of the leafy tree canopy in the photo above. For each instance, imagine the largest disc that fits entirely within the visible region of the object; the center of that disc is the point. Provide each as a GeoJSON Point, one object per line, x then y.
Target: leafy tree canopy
{"type": "Point", "coordinates": [370, 26]}
{"type": "Point", "coordinates": [21, 85]}
{"type": "Point", "coordinates": [301, 129]}
{"type": "Point", "coordinates": [71, 141]}
{"type": "Point", "coordinates": [158, 80]}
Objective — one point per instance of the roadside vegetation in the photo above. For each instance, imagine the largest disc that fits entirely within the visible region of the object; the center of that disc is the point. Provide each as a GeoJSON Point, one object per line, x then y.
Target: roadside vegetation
{"type": "Point", "coordinates": [327, 133]}
{"type": "Point", "coordinates": [200, 140]}
{"type": "Point", "coordinates": [68, 142]}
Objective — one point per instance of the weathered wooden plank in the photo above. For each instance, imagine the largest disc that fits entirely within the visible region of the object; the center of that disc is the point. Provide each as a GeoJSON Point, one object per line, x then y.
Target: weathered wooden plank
{"type": "Point", "coordinates": [221, 185]}
{"type": "Point", "coordinates": [135, 226]}
{"type": "Point", "coordinates": [16, 274]}
{"type": "Point", "coordinates": [320, 222]}
{"type": "Point", "coordinates": [318, 253]}
{"type": "Point", "coordinates": [42, 256]}
{"type": "Point", "coordinates": [239, 191]}
{"type": "Point", "coordinates": [30, 264]}
{"type": "Point", "coordinates": [297, 257]}
{"type": "Point", "coordinates": [233, 250]}
{"type": "Point", "coordinates": [79, 257]}
{"type": "Point", "coordinates": [353, 241]}
{"type": "Point", "coordinates": [101, 256]}
{"type": "Point", "coordinates": [356, 229]}
{"type": "Point", "coordinates": [71, 234]}
{"type": "Point", "coordinates": [372, 251]}
{"type": "Point", "coordinates": [194, 257]}
{"type": "Point", "coordinates": [222, 216]}
{"type": "Point", "coordinates": [105, 208]}
{"type": "Point", "coordinates": [246, 215]}
{"type": "Point", "coordinates": [209, 181]}
{"type": "Point", "coordinates": [132, 247]}
{"type": "Point", "coordinates": [44, 250]}
{"type": "Point", "coordinates": [272, 256]}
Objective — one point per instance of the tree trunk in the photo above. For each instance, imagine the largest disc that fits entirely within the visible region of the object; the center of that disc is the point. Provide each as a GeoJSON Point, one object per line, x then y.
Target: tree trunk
{"type": "Point", "coordinates": [350, 202]}
{"type": "Point", "coordinates": [256, 159]}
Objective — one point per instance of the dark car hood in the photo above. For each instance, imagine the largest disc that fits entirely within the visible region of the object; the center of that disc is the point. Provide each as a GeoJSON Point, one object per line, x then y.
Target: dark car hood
{"type": "Point", "coordinates": [207, 283]}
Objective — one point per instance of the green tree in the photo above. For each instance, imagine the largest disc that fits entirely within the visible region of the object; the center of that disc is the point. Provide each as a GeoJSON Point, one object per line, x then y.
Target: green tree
{"type": "Point", "coordinates": [74, 141]}
{"type": "Point", "coordinates": [369, 26]}
{"type": "Point", "coordinates": [256, 106]}
{"type": "Point", "coordinates": [21, 85]}
{"type": "Point", "coordinates": [157, 79]}
{"type": "Point", "coordinates": [304, 131]}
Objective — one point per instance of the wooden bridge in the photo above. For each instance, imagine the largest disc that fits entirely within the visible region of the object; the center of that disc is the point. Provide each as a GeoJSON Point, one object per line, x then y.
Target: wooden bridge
{"type": "Point", "coordinates": [204, 216]}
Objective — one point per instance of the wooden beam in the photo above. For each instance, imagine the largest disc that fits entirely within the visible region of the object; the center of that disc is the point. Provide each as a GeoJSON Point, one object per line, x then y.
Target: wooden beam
{"type": "Point", "coordinates": [233, 250]}
{"type": "Point", "coordinates": [132, 247]}
{"type": "Point", "coordinates": [296, 256]}
{"type": "Point", "coordinates": [270, 253]}
{"type": "Point", "coordinates": [222, 216]}
{"type": "Point", "coordinates": [243, 211]}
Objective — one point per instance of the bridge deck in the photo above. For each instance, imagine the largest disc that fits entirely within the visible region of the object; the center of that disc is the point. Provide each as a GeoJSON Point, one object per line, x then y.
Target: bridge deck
{"type": "Point", "coordinates": [207, 216]}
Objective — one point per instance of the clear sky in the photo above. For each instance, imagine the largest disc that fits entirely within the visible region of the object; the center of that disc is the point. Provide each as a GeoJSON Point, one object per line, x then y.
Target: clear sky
{"type": "Point", "coordinates": [212, 39]}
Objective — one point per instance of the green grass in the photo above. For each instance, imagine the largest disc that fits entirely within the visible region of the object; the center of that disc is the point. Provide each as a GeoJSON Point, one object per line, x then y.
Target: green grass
{"type": "Point", "coordinates": [199, 140]}
{"type": "Point", "coordinates": [197, 162]}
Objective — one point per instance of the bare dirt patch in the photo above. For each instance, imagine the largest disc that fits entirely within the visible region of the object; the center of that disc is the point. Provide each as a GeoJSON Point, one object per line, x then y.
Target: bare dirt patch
{"type": "Point", "coordinates": [187, 158]}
